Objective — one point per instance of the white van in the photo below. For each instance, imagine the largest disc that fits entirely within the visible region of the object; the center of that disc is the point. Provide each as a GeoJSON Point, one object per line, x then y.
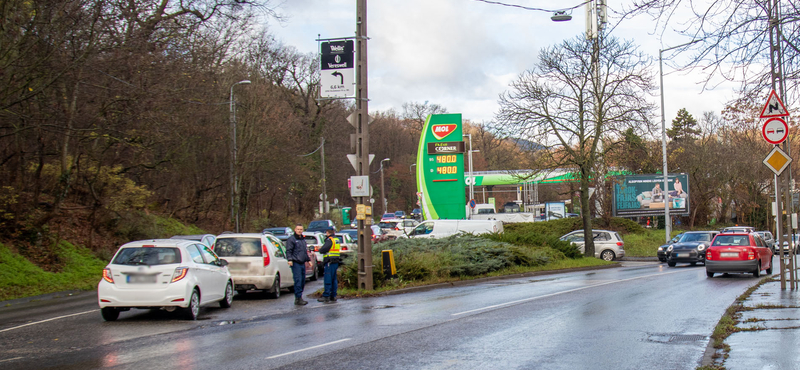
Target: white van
{"type": "Point", "coordinates": [444, 228]}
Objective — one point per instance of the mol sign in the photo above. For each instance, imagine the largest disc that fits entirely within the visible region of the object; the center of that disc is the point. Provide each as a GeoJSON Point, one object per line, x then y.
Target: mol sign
{"type": "Point", "coordinates": [440, 168]}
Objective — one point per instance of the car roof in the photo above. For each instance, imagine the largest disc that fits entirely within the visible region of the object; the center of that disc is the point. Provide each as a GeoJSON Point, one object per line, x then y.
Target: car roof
{"type": "Point", "coordinates": [700, 231]}
{"type": "Point", "coordinates": [234, 235]}
{"type": "Point", "coordinates": [170, 243]}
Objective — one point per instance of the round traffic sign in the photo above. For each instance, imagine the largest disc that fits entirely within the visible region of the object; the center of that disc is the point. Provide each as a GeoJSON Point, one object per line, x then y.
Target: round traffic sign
{"type": "Point", "coordinates": [472, 203]}
{"type": "Point", "coordinates": [775, 130]}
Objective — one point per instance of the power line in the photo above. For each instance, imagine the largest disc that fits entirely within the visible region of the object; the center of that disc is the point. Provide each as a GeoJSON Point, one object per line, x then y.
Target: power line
{"type": "Point", "coordinates": [534, 9]}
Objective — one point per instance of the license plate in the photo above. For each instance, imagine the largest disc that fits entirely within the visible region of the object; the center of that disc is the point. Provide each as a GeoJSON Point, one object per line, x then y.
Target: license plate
{"type": "Point", "coordinates": [681, 254]}
{"type": "Point", "coordinates": [141, 279]}
{"type": "Point", "coordinates": [729, 254]}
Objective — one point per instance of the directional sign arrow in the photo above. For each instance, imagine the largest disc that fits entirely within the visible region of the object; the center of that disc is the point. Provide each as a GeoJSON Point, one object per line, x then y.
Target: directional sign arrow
{"type": "Point", "coordinates": [341, 77]}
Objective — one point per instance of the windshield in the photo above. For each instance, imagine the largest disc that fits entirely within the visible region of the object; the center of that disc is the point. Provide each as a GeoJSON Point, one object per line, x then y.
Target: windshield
{"type": "Point", "coordinates": [277, 231]}
{"type": "Point", "coordinates": [147, 256]}
{"type": "Point", "coordinates": [731, 240]}
{"type": "Point", "coordinates": [238, 247]}
{"type": "Point", "coordinates": [318, 224]}
{"type": "Point", "coordinates": [387, 225]}
{"type": "Point", "coordinates": [696, 237]}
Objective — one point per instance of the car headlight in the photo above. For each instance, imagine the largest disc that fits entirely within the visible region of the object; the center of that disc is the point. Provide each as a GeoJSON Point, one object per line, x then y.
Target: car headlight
{"type": "Point", "coordinates": [660, 249]}
{"type": "Point", "coordinates": [701, 247]}
{"type": "Point", "coordinates": [669, 249]}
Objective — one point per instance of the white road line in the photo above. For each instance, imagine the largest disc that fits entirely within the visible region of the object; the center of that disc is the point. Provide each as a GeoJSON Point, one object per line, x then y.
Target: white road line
{"type": "Point", "coordinates": [309, 348]}
{"type": "Point", "coordinates": [11, 359]}
{"type": "Point", "coordinates": [558, 293]}
{"type": "Point", "coordinates": [51, 319]}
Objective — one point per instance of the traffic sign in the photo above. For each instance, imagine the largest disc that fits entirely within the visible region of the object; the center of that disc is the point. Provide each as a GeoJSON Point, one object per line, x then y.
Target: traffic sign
{"type": "Point", "coordinates": [775, 130]}
{"type": "Point", "coordinates": [472, 203]}
{"type": "Point", "coordinates": [777, 160]}
{"type": "Point", "coordinates": [337, 76]}
{"type": "Point", "coordinates": [774, 107]}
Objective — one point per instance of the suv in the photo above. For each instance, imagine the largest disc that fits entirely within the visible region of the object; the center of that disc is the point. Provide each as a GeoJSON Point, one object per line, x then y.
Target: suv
{"type": "Point", "coordinates": [256, 262]}
{"type": "Point", "coordinates": [608, 245]}
{"type": "Point", "coordinates": [320, 226]}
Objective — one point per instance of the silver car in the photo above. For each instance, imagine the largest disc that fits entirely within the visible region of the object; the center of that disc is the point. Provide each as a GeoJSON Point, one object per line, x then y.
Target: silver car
{"type": "Point", "coordinates": [608, 245]}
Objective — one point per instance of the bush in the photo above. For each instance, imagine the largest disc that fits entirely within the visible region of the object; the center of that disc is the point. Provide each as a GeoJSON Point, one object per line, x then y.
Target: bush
{"type": "Point", "coordinates": [461, 255]}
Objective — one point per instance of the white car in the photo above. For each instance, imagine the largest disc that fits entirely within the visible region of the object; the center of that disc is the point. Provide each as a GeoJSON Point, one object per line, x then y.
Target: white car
{"type": "Point", "coordinates": [314, 241]}
{"type": "Point", "coordinates": [347, 244]}
{"type": "Point", "coordinates": [608, 245]}
{"type": "Point", "coordinates": [164, 273]}
{"type": "Point", "coordinates": [256, 262]}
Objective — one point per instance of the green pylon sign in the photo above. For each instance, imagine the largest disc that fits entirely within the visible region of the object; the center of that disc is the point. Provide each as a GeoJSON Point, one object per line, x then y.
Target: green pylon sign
{"type": "Point", "coordinates": [440, 168]}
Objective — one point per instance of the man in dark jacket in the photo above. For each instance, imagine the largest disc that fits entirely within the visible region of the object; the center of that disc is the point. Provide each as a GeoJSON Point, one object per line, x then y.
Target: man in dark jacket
{"type": "Point", "coordinates": [297, 255]}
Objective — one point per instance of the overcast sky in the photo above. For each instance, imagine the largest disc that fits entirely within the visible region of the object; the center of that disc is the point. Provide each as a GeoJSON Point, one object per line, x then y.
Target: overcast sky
{"type": "Point", "coordinates": [462, 54]}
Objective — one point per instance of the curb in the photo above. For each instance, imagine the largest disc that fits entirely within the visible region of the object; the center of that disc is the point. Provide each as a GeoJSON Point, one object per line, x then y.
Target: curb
{"type": "Point", "coordinates": [43, 297]}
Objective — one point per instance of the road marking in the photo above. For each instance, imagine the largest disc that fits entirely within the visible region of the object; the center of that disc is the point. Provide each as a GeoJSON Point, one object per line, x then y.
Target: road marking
{"type": "Point", "coordinates": [11, 359]}
{"type": "Point", "coordinates": [558, 293]}
{"type": "Point", "coordinates": [51, 319]}
{"type": "Point", "coordinates": [309, 348]}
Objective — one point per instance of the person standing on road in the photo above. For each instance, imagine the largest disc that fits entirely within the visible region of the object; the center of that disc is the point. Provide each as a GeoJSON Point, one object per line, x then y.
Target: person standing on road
{"type": "Point", "coordinates": [297, 255]}
{"type": "Point", "coordinates": [330, 251]}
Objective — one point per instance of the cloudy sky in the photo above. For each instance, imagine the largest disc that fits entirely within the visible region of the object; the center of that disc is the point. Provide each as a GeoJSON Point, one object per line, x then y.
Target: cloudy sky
{"type": "Point", "coordinates": [462, 54]}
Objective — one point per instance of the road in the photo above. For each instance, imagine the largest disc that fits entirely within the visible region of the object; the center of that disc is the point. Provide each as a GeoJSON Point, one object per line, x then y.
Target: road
{"type": "Point", "coordinates": [640, 315]}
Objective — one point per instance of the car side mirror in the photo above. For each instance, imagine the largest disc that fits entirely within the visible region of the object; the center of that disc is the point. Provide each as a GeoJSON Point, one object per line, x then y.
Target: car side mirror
{"type": "Point", "coordinates": [223, 262]}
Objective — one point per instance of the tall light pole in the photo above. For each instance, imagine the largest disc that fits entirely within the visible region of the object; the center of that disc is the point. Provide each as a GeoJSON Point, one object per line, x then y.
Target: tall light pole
{"type": "Point", "coordinates": [234, 149]}
{"type": "Point", "coordinates": [667, 220]}
{"type": "Point", "coordinates": [383, 194]}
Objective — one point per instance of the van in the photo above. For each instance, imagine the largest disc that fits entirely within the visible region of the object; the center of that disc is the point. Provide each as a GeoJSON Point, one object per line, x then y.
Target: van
{"type": "Point", "coordinates": [444, 228]}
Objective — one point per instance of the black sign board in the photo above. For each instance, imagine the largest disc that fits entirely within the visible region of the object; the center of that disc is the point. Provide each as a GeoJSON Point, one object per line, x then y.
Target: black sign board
{"type": "Point", "coordinates": [337, 54]}
{"type": "Point", "coordinates": [446, 147]}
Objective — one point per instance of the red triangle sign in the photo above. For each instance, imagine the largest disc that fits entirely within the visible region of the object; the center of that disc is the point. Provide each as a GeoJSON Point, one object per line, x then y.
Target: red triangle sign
{"type": "Point", "coordinates": [774, 107]}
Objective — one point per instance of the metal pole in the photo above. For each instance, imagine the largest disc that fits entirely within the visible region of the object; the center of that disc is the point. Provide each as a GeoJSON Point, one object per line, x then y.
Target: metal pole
{"type": "Point", "coordinates": [234, 150]}
{"type": "Point", "coordinates": [383, 193]}
{"type": "Point", "coordinates": [325, 208]}
{"type": "Point", "coordinates": [362, 143]}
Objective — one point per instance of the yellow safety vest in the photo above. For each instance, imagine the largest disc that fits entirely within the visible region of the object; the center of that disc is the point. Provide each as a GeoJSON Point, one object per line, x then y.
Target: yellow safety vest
{"type": "Point", "coordinates": [334, 252]}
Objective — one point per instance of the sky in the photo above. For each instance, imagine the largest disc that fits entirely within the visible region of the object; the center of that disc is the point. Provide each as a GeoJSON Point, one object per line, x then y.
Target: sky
{"type": "Point", "coordinates": [462, 54]}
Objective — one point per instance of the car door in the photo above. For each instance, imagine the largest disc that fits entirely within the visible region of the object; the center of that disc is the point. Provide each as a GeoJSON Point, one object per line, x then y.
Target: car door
{"type": "Point", "coordinates": [577, 239]}
{"type": "Point", "coordinates": [216, 278]}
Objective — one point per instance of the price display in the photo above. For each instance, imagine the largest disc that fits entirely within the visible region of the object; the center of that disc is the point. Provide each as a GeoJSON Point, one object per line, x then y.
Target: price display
{"type": "Point", "coordinates": [447, 170]}
{"type": "Point", "coordinates": [452, 158]}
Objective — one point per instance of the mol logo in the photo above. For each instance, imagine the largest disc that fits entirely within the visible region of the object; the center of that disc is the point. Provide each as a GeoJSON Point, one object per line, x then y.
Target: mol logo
{"type": "Point", "coordinates": [441, 131]}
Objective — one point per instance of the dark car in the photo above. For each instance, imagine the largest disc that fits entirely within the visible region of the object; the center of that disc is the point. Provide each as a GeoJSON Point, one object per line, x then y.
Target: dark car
{"type": "Point", "coordinates": [416, 213]}
{"type": "Point", "coordinates": [662, 249]}
{"type": "Point", "coordinates": [353, 234]}
{"type": "Point", "coordinates": [399, 214]}
{"type": "Point", "coordinates": [320, 226]}
{"type": "Point", "coordinates": [691, 248]}
{"type": "Point", "coordinates": [281, 233]}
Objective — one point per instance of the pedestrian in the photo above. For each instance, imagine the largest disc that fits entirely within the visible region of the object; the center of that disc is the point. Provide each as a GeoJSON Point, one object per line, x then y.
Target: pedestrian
{"type": "Point", "coordinates": [297, 255]}
{"type": "Point", "coordinates": [331, 259]}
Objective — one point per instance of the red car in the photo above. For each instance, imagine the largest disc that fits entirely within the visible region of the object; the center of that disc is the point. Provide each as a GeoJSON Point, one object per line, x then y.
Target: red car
{"type": "Point", "coordinates": [738, 252]}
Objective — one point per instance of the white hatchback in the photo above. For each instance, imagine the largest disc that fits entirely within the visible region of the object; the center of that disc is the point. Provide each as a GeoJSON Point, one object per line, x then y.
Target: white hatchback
{"type": "Point", "coordinates": [257, 262]}
{"type": "Point", "coordinates": [164, 273]}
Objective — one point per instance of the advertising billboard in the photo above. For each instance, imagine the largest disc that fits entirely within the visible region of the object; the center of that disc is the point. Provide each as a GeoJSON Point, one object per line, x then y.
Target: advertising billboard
{"type": "Point", "coordinates": [643, 195]}
{"type": "Point", "coordinates": [440, 168]}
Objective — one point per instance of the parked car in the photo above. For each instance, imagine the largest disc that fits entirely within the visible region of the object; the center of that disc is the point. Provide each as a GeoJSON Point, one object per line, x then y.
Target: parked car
{"type": "Point", "coordinates": [169, 274]}
{"type": "Point", "coordinates": [738, 252]}
{"type": "Point", "coordinates": [378, 235]}
{"type": "Point", "coordinates": [256, 262]}
{"type": "Point", "coordinates": [281, 233]}
{"type": "Point", "coordinates": [445, 228]}
{"type": "Point", "coordinates": [315, 240]}
{"type": "Point", "coordinates": [347, 245]}
{"type": "Point", "coordinates": [768, 239]}
{"type": "Point", "coordinates": [353, 234]}
{"type": "Point", "coordinates": [738, 229]}
{"type": "Point", "coordinates": [206, 239]}
{"type": "Point", "coordinates": [662, 249]}
{"type": "Point", "coordinates": [608, 245]}
{"type": "Point", "coordinates": [399, 214]}
{"type": "Point", "coordinates": [320, 226]}
{"type": "Point", "coordinates": [691, 248]}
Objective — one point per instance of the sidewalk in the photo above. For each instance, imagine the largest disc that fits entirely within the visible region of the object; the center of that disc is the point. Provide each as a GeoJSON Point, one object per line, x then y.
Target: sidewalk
{"type": "Point", "coordinates": [771, 330]}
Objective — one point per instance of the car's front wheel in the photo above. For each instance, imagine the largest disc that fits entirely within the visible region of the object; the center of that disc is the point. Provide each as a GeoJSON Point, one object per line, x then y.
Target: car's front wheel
{"type": "Point", "coordinates": [671, 264]}
{"type": "Point", "coordinates": [109, 313]}
{"type": "Point", "coordinates": [228, 300]}
{"type": "Point", "coordinates": [607, 255]}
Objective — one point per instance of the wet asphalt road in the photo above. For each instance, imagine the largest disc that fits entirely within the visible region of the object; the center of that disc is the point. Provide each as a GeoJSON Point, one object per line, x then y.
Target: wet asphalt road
{"type": "Point", "coordinates": [641, 315]}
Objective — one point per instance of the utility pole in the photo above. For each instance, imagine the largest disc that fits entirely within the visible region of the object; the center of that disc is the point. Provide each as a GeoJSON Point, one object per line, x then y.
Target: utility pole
{"type": "Point", "coordinates": [362, 144]}
{"type": "Point", "coordinates": [325, 208]}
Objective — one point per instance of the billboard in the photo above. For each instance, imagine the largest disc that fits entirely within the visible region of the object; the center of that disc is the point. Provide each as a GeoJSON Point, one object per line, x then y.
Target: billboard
{"type": "Point", "coordinates": [440, 168]}
{"type": "Point", "coordinates": [643, 195]}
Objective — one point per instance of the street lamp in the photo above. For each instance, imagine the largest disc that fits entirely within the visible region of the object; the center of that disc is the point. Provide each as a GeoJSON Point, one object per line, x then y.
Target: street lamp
{"type": "Point", "coordinates": [383, 194]}
{"type": "Point", "coordinates": [234, 178]}
{"type": "Point", "coordinates": [667, 220]}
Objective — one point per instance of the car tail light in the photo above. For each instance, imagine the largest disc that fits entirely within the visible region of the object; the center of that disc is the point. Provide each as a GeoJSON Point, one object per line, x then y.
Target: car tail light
{"type": "Point", "coordinates": [316, 248]}
{"type": "Point", "coordinates": [708, 255]}
{"type": "Point", "coordinates": [751, 255]}
{"type": "Point", "coordinates": [344, 248]}
{"type": "Point", "coordinates": [266, 254]}
{"type": "Point", "coordinates": [107, 275]}
{"type": "Point", "coordinates": [396, 228]}
{"type": "Point", "coordinates": [619, 244]}
{"type": "Point", "coordinates": [148, 246]}
{"type": "Point", "coordinates": [180, 273]}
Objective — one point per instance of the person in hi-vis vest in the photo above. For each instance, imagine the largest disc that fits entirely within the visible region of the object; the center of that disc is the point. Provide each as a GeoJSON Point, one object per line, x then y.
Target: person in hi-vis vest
{"type": "Point", "coordinates": [331, 258]}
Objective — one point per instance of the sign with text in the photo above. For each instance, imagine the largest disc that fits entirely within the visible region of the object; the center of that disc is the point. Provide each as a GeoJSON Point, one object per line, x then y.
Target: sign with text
{"type": "Point", "coordinates": [440, 168]}
{"type": "Point", "coordinates": [337, 72]}
{"type": "Point", "coordinates": [643, 195]}
{"type": "Point", "coordinates": [447, 147]}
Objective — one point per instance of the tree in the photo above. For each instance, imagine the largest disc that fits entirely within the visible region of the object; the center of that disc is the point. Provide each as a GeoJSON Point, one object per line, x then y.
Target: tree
{"type": "Point", "coordinates": [558, 105]}
{"type": "Point", "coordinates": [684, 127]}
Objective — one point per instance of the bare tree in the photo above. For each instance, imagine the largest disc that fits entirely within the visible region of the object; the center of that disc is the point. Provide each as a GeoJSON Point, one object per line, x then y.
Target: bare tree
{"type": "Point", "coordinates": [557, 105]}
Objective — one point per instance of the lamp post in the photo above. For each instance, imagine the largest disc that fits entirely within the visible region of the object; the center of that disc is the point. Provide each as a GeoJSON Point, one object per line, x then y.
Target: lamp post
{"type": "Point", "coordinates": [383, 194]}
{"type": "Point", "coordinates": [234, 178]}
{"type": "Point", "coordinates": [667, 220]}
